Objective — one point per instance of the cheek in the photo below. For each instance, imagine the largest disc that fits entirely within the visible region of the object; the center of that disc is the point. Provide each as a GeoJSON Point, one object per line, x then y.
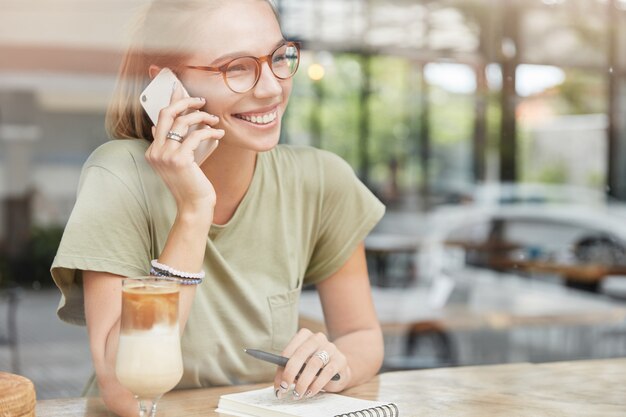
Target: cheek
{"type": "Point", "coordinates": [216, 105]}
{"type": "Point", "coordinates": [287, 91]}
{"type": "Point", "coordinates": [210, 89]}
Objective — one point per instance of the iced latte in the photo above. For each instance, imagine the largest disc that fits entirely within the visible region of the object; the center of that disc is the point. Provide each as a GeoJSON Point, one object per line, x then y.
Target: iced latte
{"type": "Point", "coordinates": [149, 359]}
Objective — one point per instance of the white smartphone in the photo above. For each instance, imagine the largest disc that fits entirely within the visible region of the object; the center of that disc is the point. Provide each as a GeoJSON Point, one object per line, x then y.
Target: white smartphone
{"type": "Point", "coordinates": [157, 95]}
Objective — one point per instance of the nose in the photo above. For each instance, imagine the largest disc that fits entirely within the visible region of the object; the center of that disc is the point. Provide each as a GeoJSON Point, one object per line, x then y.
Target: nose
{"type": "Point", "coordinates": [268, 85]}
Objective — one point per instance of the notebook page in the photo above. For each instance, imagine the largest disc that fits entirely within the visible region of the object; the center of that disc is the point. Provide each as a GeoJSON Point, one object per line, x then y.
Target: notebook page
{"type": "Point", "coordinates": [324, 404]}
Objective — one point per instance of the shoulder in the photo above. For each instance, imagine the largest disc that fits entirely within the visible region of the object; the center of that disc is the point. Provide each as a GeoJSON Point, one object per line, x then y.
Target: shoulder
{"type": "Point", "coordinates": [309, 159]}
{"type": "Point", "coordinates": [118, 161]}
{"type": "Point", "coordinates": [118, 154]}
{"type": "Point", "coordinates": [318, 172]}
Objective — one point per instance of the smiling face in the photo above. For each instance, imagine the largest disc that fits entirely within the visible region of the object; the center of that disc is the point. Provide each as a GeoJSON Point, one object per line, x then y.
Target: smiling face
{"type": "Point", "coordinates": [238, 28]}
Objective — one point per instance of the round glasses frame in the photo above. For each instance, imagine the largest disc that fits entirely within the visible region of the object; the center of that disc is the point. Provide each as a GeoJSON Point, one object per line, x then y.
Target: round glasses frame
{"type": "Point", "coordinates": [223, 69]}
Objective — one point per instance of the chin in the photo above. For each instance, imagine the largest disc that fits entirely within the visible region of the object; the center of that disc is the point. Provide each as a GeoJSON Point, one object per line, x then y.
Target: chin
{"type": "Point", "coordinates": [256, 143]}
{"type": "Point", "coordinates": [265, 144]}
{"type": "Point", "coordinates": [254, 138]}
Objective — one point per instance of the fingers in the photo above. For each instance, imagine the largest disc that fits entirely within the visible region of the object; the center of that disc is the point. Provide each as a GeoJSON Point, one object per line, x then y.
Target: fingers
{"type": "Point", "coordinates": [193, 139]}
{"type": "Point", "coordinates": [313, 361]}
{"type": "Point", "coordinates": [336, 364]}
{"type": "Point", "coordinates": [296, 341]}
{"type": "Point", "coordinates": [181, 154]}
{"type": "Point", "coordinates": [168, 115]}
{"type": "Point", "coordinates": [183, 123]}
{"type": "Point", "coordinates": [280, 387]}
{"type": "Point", "coordinates": [283, 382]}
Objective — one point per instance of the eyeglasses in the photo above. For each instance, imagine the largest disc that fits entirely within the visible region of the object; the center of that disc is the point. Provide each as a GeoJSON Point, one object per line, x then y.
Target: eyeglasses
{"type": "Point", "coordinates": [243, 73]}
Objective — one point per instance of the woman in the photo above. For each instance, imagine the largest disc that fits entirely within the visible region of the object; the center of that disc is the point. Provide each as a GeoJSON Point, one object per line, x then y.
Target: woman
{"type": "Point", "coordinates": [276, 217]}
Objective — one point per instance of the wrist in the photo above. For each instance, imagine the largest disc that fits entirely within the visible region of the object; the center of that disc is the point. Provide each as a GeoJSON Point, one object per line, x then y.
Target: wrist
{"type": "Point", "coordinates": [196, 214]}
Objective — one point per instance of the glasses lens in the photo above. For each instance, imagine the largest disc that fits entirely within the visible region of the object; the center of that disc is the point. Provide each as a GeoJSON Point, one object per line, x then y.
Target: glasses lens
{"type": "Point", "coordinates": [241, 74]}
{"type": "Point", "coordinates": [285, 61]}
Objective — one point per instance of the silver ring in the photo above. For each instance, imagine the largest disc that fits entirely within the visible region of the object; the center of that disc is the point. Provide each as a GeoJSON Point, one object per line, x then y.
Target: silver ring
{"type": "Point", "coordinates": [174, 136]}
{"type": "Point", "coordinates": [323, 356]}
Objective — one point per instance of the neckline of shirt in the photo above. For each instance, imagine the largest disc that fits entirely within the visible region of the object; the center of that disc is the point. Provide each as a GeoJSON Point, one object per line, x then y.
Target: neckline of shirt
{"type": "Point", "coordinates": [218, 228]}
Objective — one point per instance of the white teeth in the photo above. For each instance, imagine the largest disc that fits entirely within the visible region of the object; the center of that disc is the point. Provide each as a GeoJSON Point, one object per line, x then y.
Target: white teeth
{"type": "Point", "coordinates": [260, 120]}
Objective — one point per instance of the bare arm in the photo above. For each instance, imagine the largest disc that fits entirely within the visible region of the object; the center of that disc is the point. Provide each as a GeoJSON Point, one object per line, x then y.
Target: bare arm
{"type": "Point", "coordinates": [354, 341]}
{"type": "Point", "coordinates": [351, 318]}
{"type": "Point", "coordinates": [184, 250]}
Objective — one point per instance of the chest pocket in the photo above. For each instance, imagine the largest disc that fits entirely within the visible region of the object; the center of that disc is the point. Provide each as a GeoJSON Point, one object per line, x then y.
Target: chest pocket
{"type": "Point", "coordinates": [284, 316]}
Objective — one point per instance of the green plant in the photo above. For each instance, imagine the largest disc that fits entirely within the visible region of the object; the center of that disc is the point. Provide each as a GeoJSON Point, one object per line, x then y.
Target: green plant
{"type": "Point", "coordinates": [32, 267]}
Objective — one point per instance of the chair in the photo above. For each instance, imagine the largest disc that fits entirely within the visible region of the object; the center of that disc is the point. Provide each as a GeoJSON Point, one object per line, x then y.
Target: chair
{"type": "Point", "coordinates": [427, 346]}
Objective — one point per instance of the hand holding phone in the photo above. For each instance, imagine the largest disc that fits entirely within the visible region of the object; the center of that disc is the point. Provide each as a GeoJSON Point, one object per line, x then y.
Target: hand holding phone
{"type": "Point", "coordinates": [158, 94]}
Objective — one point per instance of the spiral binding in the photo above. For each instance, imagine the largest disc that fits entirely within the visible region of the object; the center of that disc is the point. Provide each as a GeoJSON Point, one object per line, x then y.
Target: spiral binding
{"type": "Point", "coordinates": [387, 410]}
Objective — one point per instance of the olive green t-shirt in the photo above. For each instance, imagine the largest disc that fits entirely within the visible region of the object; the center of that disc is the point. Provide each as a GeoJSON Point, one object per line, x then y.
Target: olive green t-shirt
{"type": "Point", "coordinates": [303, 215]}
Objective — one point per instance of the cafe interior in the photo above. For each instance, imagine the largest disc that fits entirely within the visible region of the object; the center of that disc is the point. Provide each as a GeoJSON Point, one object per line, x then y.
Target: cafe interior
{"type": "Point", "coordinates": [494, 131]}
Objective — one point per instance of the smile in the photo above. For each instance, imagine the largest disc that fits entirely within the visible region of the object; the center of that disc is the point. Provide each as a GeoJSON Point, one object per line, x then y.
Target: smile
{"type": "Point", "coordinates": [259, 119]}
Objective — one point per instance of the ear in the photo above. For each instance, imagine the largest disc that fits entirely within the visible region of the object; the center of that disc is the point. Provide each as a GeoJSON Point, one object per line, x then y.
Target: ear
{"type": "Point", "coordinates": [153, 70]}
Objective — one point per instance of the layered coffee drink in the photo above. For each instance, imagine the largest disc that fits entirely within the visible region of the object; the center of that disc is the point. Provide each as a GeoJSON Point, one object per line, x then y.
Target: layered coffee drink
{"type": "Point", "coordinates": [149, 361]}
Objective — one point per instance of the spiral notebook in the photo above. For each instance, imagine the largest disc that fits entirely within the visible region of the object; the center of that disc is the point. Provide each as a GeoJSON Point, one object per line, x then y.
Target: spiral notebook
{"type": "Point", "coordinates": [263, 403]}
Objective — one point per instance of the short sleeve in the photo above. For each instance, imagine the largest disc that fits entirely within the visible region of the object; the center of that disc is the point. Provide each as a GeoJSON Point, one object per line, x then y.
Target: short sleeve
{"type": "Point", "coordinates": [108, 231]}
{"type": "Point", "coordinates": [348, 211]}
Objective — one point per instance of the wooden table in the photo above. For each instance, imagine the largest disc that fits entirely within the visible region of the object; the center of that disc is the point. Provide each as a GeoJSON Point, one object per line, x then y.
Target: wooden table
{"type": "Point", "coordinates": [572, 389]}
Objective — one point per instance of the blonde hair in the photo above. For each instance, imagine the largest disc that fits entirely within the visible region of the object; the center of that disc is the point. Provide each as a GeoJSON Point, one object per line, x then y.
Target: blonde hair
{"type": "Point", "coordinates": [164, 37]}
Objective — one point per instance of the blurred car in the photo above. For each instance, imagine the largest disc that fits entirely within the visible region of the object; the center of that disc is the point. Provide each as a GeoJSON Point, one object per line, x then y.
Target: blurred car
{"type": "Point", "coordinates": [537, 231]}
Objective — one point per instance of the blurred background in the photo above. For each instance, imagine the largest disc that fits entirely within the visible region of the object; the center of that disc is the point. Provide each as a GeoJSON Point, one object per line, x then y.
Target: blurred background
{"type": "Point", "coordinates": [493, 130]}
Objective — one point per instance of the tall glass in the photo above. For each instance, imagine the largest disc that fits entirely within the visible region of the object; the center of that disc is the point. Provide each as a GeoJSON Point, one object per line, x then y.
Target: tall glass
{"type": "Point", "coordinates": [149, 361]}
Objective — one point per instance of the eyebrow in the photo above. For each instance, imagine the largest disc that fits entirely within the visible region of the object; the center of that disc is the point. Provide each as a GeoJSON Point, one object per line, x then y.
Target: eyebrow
{"type": "Point", "coordinates": [243, 53]}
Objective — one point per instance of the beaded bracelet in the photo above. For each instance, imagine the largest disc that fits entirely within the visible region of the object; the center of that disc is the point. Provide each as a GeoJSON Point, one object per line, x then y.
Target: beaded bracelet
{"type": "Point", "coordinates": [184, 281]}
{"type": "Point", "coordinates": [174, 272]}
